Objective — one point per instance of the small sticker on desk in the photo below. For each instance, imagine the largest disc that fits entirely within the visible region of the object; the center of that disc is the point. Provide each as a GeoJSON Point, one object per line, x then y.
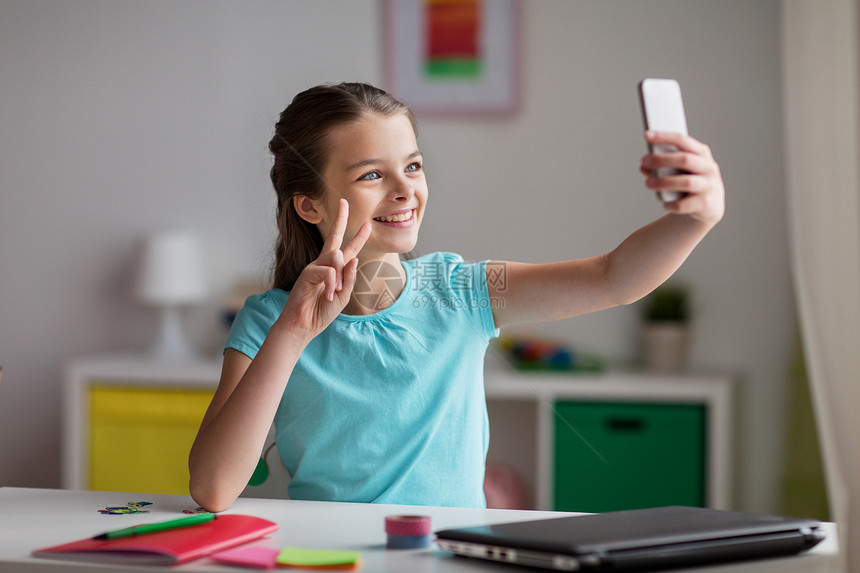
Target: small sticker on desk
{"type": "Point", "coordinates": [129, 508]}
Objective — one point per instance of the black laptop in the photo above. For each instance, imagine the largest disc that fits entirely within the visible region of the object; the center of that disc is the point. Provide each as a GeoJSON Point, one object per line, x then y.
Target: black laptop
{"type": "Point", "coordinates": [635, 540]}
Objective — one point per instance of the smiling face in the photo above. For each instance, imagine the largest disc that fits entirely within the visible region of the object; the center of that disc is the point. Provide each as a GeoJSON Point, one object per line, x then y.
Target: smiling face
{"type": "Point", "coordinates": [375, 164]}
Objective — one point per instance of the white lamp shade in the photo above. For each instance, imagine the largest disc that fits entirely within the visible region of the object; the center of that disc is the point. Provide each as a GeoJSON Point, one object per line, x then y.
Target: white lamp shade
{"type": "Point", "coordinates": [171, 272]}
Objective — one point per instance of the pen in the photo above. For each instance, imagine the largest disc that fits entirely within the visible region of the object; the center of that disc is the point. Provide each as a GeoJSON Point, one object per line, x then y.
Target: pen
{"type": "Point", "coordinates": [160, 526]}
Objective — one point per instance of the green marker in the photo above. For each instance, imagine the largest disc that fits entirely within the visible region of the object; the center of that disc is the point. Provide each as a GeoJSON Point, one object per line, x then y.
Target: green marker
{"type": "Point", "coordinates": [156, 527]}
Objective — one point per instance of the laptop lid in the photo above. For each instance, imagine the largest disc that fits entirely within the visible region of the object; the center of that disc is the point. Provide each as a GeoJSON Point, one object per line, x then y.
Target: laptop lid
{"type": "Point", "coordinates": [639, 539]}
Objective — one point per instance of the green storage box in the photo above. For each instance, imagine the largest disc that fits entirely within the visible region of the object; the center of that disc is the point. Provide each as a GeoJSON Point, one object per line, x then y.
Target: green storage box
{"type": "Point", "coordinates": [615, 456]}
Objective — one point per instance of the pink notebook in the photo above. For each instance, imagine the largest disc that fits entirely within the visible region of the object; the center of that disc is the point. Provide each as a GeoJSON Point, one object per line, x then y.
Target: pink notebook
{"type": "Point", "coordinates": [165, 547]}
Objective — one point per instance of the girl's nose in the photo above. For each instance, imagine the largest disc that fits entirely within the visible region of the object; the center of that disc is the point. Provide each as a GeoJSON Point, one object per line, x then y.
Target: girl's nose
{"type": "Point", "coordinates": [403, 190]}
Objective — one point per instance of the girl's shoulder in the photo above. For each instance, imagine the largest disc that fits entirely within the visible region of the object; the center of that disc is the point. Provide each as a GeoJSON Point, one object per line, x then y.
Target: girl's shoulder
{"type": "Point", "coordinates": [268, 302]}
{"type": "Point", "coordinates": [252, 322]}
{"type": "Point", "coordinates": [447, 270]}
{"type": "Point", "coordinates": [437, 257]}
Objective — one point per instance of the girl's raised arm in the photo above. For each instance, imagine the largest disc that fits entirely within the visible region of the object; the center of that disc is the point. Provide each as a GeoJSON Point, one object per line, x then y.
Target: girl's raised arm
{"type": "Point", "coordinates": [238, 419]}
{"type": "Point", "coordinates": [641, 263]}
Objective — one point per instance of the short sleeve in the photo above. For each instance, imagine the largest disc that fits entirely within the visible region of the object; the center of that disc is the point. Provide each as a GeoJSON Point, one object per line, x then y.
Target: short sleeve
{"type": "Point", "coordinates": [468, 283]}
{"type": "Point", "coordinates": [253, 321]}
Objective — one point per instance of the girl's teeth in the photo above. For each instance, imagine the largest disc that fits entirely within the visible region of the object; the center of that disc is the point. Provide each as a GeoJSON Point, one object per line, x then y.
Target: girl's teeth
{"type": "Point", "coordinates": [396, 218]}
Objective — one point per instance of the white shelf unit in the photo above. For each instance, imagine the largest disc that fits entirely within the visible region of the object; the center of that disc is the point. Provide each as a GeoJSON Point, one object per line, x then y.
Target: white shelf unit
{"type": "Point", "coordinates": [526, 395]}
{"type": "Point", "coordinates": [116, 369]}
{"type": "Point", "coordinates": [526, 399]}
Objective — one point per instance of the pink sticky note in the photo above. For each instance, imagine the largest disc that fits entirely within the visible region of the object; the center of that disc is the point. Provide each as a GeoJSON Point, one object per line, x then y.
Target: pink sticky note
{"type": "Point", "coordinates": [255, 557]}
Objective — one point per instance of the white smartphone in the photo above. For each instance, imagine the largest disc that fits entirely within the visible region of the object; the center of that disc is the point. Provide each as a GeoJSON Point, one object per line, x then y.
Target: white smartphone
{"type": "Point", "coordinates": [663, 110]}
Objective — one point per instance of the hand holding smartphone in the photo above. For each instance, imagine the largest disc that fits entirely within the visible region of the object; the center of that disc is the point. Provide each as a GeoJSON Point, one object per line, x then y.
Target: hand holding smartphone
{"type": "Point", "coordinates": [663, 110]}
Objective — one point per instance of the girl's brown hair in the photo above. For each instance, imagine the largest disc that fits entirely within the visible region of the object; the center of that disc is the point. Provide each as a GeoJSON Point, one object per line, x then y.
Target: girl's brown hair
{"type": "Point", "coordinates": [300, 151]}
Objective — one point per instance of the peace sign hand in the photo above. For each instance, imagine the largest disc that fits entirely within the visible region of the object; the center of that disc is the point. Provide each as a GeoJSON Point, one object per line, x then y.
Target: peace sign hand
{"type": "Point", "coordinates": [325, 285]}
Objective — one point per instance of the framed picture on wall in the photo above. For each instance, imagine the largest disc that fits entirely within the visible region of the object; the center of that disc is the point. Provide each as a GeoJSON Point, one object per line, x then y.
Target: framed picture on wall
{"type": "Point", "coordinates": [454, 56]}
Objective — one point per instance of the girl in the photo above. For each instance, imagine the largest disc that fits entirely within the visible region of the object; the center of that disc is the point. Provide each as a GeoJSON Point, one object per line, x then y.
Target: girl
{"type": "Point", "coordinates": [372, 368]}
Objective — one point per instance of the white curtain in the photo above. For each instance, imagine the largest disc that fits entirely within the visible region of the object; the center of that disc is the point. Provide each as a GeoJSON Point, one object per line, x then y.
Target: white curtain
{"type": "Point", "coordinates": [821, 68]}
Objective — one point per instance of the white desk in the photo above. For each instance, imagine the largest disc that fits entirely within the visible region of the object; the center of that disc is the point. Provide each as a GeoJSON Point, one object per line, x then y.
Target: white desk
{"type": "Point", "coordinates": [35, 518]}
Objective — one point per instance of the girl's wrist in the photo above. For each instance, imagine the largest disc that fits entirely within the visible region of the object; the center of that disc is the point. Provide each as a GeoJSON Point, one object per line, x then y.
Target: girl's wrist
{"type": "Point", "coordinates": [288, 332]}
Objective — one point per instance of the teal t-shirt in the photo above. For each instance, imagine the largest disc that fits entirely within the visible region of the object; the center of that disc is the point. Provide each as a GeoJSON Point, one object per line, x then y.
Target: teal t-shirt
{"type": "Point", "coordinates": [388, 407]}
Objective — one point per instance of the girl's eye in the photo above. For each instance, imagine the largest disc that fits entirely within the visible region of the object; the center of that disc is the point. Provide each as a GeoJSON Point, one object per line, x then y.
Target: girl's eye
{"type": "Point", "coordinates": [372, 176]}
{"type": "Point", "coordinates": [413, 167]}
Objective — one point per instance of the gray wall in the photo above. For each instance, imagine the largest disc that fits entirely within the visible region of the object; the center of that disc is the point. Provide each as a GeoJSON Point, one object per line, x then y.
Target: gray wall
{"type": "Point", "coordinates": [119, 118]}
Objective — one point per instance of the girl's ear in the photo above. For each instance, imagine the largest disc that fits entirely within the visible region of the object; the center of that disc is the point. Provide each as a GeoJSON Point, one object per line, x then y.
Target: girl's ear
{"type": "Point", "coordinates": [307, 209]}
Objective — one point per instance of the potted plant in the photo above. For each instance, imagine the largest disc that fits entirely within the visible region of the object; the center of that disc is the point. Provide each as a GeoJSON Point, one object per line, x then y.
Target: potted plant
{"type": "Point", "coordinates": [665, 321]}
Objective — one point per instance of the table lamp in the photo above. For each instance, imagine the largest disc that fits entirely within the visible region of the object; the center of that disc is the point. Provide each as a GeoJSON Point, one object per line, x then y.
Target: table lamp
{"type": "Point", "coordinates": [171, 275]}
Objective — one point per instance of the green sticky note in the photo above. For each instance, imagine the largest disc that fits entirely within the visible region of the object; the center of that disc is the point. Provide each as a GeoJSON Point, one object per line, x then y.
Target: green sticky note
{"type": "Point", "coordinates": [300, 557]}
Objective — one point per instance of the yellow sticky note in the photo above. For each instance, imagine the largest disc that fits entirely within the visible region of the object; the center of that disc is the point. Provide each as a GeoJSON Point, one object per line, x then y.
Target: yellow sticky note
{"type": "Point", "coordinates": [318, 558]}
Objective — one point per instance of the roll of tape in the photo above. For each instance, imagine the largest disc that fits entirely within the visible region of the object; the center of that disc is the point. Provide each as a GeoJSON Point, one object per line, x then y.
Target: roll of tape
{"type": "Point", "coordinates": [409, 541]}
{"type": "Point", "coordinates": [408, 531]}
{"type": "Point", "coordinates": [412, 525]}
